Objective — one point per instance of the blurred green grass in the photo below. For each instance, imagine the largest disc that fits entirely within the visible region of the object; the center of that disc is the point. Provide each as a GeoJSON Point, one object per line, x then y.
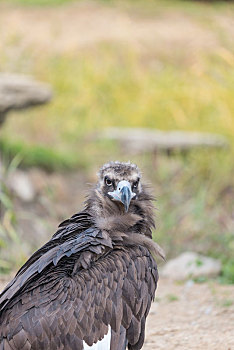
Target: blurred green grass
{"type": "Point", "coordinates": [115, 85]}
{"type": "Point", "coordinates": [189, 5]}
{"type": "Point", "coordinates": [38, 2]}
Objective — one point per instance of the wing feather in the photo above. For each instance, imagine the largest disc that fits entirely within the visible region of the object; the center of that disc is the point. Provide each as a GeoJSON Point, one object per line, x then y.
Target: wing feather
{"type": "Point", "coordinates": [61, 297]}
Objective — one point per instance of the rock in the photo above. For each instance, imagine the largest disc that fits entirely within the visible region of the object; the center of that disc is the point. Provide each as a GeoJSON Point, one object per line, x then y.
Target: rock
{"type": "Point", "coordinates": [20, 183]}
{"type": "Point", "coordinates": [39, 179]}
{"type": "Point", "coordinates": [191, 265]}
{"type": "Point", "coordinates": [140, 140]}
{"type": "Point", "coordinates": [18, 92]}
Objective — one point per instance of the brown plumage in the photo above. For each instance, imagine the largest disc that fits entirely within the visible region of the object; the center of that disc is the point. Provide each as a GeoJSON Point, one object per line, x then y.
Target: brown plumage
{"type": "Point", "coordinates": [95, 277]}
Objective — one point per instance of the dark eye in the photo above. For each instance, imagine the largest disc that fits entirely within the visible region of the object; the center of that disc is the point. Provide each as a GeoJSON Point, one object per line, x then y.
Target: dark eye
{"type": "Point", "coordinates": [108, 181]}
{"type": "Point", "coordinates": [135, 184]}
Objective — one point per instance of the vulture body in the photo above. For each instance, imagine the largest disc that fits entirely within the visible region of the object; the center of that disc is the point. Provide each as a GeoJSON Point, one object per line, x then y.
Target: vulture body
{"type": "Point", "coordinates": [92, 284]}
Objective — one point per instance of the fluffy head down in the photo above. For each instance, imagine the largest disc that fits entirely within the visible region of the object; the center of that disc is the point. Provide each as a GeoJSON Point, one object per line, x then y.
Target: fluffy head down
{"type": "Point", "coordinates": [120, 170]}
{"type": "Point", "coordinates": [112, 173]}
{"type": "Point", "coordinates": [135, 226]}
{"type": "Point", "coordinates": [109, 214]}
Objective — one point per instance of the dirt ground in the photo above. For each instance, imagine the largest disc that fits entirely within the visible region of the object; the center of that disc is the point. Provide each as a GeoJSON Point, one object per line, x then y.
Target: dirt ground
{"type": "Point", "coordinates": [189, 316]}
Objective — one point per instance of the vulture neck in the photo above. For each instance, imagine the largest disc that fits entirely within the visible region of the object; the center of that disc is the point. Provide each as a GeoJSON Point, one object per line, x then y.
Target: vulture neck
{"type": "Point", "coordinates": [128, 229]}
{"type": "Point", "coordinates": [111, 217]}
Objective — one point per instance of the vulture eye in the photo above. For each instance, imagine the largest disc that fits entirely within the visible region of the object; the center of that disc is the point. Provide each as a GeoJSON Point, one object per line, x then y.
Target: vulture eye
{"type": "Point", "coordinates": [108, 181]}
{"type": "Point", "coordinates": [135, 184]}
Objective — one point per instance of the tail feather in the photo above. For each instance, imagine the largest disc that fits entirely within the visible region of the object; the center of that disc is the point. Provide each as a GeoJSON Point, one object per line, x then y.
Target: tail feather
{"type": "Point", "coordinates": [119, 340]}
{"type": "Point", "coordinates": [104, 344]}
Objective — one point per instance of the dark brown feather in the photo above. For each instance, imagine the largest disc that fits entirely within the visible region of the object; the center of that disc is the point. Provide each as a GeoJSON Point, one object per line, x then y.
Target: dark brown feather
{"type": "Point", "coordinates": [97, 270]}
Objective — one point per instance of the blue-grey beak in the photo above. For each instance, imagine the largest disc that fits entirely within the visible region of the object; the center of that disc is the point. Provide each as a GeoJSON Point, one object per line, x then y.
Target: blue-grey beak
{"type": "Point", "coordinates": [123, 194]}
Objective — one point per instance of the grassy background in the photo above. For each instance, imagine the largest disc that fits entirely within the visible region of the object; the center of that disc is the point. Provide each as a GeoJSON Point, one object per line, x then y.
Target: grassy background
{"type": "Point", "coordinates": [112, 87]}
{"type": "Point", "coordinates": [115, 84]}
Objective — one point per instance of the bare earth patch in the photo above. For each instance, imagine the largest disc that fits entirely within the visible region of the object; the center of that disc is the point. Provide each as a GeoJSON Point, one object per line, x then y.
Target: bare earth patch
{"type": "Point", "coordinates": [189, 316]}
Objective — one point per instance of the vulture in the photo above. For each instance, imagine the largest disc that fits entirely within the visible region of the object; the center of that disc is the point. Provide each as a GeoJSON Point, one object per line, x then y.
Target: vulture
{"type": "Point", "coordinates": [91, 285]}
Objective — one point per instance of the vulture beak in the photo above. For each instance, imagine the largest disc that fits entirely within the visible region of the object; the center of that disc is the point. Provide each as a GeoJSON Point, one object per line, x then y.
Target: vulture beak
{"type": "Point", "coordinates": [123, 194]}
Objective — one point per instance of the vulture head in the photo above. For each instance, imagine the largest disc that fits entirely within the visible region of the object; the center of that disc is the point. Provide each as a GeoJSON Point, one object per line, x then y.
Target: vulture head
{"type": "Point", "coordinates": [121, 203]}
{"type": "Point", "coordinates": [120, 182]}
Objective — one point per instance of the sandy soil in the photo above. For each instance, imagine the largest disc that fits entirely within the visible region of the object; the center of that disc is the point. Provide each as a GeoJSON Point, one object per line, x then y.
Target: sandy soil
{"type": "Point", "coordinates": [202, 317]}
{"type": "Point", "coordinates": [189, 316]}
